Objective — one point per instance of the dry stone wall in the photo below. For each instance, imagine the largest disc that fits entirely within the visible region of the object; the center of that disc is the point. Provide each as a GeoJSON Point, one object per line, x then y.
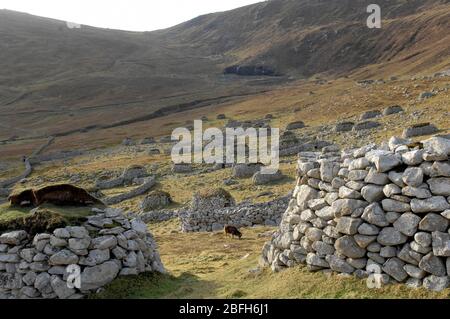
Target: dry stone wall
{"type": "Point", "coordinates": [11, 181]}
{"type": "Point", "coordinates": [382, 209]}
{"type": "Point", "coordinates": [107, 245]}
{"type": "Point", "coordinates": [243, 215]}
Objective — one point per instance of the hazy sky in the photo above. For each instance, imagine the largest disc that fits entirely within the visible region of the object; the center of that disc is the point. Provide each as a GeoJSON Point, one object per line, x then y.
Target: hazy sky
{"type": "Point", "coordinates": [136, 15]}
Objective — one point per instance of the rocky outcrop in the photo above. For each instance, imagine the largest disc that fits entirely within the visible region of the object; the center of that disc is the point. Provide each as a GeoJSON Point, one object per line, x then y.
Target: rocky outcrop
{"type": "Point", "coordinates": [47, 265]}
{"type": "Point", "coordinates": [377, 209]}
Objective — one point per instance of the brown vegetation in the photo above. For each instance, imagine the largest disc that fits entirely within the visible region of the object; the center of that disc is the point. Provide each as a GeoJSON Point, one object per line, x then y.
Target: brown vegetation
{"type": "Point", "coordinates": [63, 194]}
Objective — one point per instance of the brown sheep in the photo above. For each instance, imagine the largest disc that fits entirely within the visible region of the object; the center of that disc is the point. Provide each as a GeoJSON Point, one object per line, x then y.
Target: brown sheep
{"type": "Point", "coordinates": [233, 231]}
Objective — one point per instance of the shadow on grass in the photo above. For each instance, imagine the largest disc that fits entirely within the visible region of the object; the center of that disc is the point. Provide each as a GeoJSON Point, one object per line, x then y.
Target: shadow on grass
{"type": "Point", "coordinates": [152, 286]}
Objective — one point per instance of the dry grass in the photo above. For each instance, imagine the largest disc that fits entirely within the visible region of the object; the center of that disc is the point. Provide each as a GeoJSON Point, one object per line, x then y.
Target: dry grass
{"type": "Point", "coordinates": [340, 99]}
{"type": "Point", "coordinates": [209, 265]}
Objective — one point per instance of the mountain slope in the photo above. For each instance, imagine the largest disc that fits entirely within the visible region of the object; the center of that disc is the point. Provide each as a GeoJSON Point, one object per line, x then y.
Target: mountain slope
{"type": "Point", "coordinates": [310, 36]}
{"type": "Point", "coordinates": [56, 81]}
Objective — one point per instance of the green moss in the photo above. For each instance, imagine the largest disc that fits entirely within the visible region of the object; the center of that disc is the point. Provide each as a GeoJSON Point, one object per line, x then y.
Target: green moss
{"type": "Point", "coordinates": [41, 221]}
{"type": "Point", "coordinates": [45, 219]}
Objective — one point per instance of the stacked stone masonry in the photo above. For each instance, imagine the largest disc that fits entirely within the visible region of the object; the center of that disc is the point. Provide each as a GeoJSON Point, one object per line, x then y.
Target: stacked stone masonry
{"type": "Point", "coordinates": [377, 209]}
{"type": "Point", "coordinates": [107, 245]}
{"type": "Point", "coordinates": [242, 215]}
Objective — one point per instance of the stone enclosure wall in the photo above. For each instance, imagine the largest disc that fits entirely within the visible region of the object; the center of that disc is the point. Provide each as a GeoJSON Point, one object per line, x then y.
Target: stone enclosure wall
{"type": "Point", "coordinates": [107, 245]}
{"type": "Point", "coordinates": [383, 209]}
{"type": "Point", "coordinates": [243, 215]}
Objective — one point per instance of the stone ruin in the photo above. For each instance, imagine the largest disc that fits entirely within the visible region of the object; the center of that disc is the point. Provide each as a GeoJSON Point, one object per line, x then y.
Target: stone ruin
{"type": "Point", "coordinates": [382, 209]}
{"type": "Point", "coordinates": [212, 199]}
{"type": "Point", "coordinates": [156, 200]}
{"type": "Point", "coordinates": [106, 246]}
{"type": "Point", "coordinates": [132, 175]}
{"type": "Point", "coordinates": [212, 210]}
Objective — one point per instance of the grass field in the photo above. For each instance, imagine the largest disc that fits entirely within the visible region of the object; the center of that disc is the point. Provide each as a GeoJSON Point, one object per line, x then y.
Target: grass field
{"type": "Point", "coordinates": [208, 265]}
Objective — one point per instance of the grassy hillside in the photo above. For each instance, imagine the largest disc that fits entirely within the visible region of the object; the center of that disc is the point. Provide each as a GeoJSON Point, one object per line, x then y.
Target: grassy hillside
{"type": "Point", "coordinates": [97, 85]}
